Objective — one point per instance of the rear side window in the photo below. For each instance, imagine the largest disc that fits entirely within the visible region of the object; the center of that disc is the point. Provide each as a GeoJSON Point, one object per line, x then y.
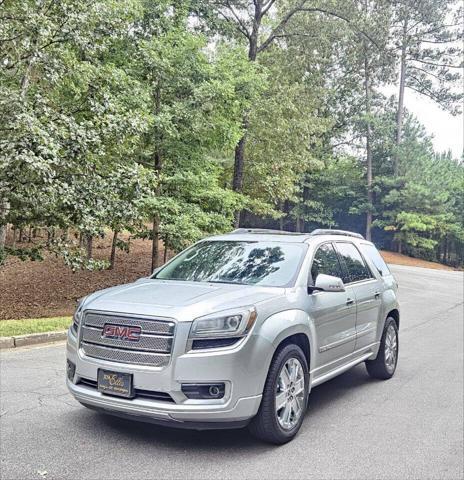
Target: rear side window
{"type": "Point", "coordinates": [373, 254]}
{"type": "Point", "coordinates": [354, 268]}
{"type": "Point", "coordinates": [325, 261]}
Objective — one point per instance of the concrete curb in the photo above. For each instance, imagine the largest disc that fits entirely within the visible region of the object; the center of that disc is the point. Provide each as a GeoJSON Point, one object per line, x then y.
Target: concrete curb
{"type": "Point", "coordinates": [31, 339]}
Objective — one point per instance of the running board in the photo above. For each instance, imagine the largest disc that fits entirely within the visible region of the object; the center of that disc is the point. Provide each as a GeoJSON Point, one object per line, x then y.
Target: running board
{"type": "Point", "coordinates": [343, 368]}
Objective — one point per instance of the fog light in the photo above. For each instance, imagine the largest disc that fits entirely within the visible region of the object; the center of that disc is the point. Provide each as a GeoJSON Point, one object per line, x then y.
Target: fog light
{"type": "Point", "coordinates": [203, 391]}
{"type": "Point", "coordinates": [214, 391]}
{"type": "Point", "coordinates": [70, 370]}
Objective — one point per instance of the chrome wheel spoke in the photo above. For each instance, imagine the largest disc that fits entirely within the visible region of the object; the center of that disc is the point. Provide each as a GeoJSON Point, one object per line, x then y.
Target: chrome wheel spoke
{"type": "Point", "coordinates": [285, 377]}
{"type": "Point", "coordinates": [294, 370]}
{"type": "Point", "coordinates": [287, 414]}
{"type": "Point", "coordinates": [281, 400]}
{"type": "Point", "coordinates": [290, 391]}
{"type": "Point", "coordinates": [299, 386]}
{"type": "Point", "coordinates": [297, 406]}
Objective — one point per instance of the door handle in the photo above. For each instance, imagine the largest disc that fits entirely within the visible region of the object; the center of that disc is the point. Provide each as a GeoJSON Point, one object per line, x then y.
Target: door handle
{"type": "Point", "coordinates": [349, 301]}
{"type": "Point", "coordinates": [377, 295]}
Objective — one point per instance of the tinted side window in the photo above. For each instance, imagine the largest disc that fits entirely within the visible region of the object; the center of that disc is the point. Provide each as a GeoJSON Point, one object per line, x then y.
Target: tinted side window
{"type": "Point", "coordinates": [354, 267]}
{"type": "Point", "coordinates": [371, 252]}
{"type": "Point", "coordinates": [325, 261]}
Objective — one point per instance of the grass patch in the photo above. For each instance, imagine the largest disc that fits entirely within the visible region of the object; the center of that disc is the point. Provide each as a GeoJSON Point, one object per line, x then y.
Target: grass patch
{"type": "Point", "coordinates": [8, 328]}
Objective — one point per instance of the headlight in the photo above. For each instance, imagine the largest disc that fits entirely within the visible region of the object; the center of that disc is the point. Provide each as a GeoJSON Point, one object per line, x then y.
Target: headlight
{"type": "Point", "coordinates": [77, 317]}
{"type": "Point", "coordinates": [235, 323]}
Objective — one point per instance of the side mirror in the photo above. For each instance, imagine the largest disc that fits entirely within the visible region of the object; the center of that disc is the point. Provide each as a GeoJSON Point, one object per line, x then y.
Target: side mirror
{"type": "Point", "coordinates": [327, 283]}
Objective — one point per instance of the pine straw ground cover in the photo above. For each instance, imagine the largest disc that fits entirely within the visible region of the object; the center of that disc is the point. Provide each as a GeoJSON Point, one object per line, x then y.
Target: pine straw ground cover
{"type": "Point", "coordinates": [49, 289]}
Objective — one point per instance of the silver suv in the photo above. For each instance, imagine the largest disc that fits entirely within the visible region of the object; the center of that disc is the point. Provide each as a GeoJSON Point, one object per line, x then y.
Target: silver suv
{"type": "Point", "coordinates": [236, 330]}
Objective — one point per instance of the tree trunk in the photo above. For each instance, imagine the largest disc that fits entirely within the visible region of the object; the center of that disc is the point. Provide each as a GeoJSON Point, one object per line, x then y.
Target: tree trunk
{"type": "Point", "coordinates": [305, 197]}
{"type": "Point", "coordinates": [400, 111]}
{"type": "Point", "coordinates": [237, 182]}
{"type": "Point", "coordinates": [370, 196]}
{"type": "Point", "coordinates": [4, 209]}
{"type": "Point", "coordinates": [89, 246]}
{"type": "Point", "coordinates": [298, 224]}
{"type": "Point", "coordinates": [2, 236]}
{"type": "Point", "coordinates": [165, 255]}
{"type": "Point", "coordinates": [113, 249]}
{"type": "Point", "coordinates": [438, 251]}
{"type": "Point", "coordinates": [155, 253]}
{"type": "Point", "coordinates": [239, 161]}
{"type": "Point", "coordinates": [4, 204]}
{"type": "Point", "coordinates": [445, 250]}
{"type": "Point", "coordinates": [50, 235]}
{"type": "Point", "coordinates": [26, 76]}
{"type": "Point", "coordinates": [281, 219]}
{"type": "Point", "coordinates": [155, 243]}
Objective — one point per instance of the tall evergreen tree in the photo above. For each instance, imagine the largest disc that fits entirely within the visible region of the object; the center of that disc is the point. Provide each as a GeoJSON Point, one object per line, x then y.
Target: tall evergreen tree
{"type": "Point", "coordinates": [428, 38]}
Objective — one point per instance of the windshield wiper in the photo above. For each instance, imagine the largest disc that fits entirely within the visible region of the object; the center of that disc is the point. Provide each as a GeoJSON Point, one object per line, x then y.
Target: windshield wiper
{"type": "Point", "coordinates": [224, 281]}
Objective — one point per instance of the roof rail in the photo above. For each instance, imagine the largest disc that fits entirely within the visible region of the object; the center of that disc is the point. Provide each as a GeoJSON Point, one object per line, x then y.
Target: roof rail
{"type": "Point", "coordinates": [264, 231]}
{"type": "Point", "coordinates": [322, 231]}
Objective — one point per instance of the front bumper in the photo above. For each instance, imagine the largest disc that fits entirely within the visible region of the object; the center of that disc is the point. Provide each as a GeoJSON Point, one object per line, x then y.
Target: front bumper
{"type": "Point", "coordinates": [185, 416]}
{"type": "Point", "coordinates": [243, 376]}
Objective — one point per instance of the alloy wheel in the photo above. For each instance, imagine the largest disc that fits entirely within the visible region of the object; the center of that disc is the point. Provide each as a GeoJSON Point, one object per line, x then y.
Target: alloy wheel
{"type": "Point", "coordinates": [391, 348]}
{"type": "Point", "coordinates": [290, 394]}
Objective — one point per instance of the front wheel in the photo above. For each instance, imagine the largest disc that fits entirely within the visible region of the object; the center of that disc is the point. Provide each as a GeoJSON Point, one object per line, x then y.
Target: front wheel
{"type": "Point", "coordinates": [384, 365]}
{"type": "Point", "coordinates": [284, 399]}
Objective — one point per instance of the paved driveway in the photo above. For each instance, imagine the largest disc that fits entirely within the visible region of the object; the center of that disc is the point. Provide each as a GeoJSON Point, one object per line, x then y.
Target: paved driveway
{"type": "Point", "coordinates": [356, 427]}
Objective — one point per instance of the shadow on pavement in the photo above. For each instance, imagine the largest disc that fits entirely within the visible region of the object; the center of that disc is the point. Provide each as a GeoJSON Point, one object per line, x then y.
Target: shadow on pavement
{"type": "Point", "coordinates": [323, 398]}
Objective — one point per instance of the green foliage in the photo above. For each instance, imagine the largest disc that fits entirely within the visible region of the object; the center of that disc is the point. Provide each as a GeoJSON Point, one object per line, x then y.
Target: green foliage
{"type": "Point", "coordinates": [423, 206]}
{"type": "Point", "coordinates": [283, 132]}
{"type": "Point", "coordinates": [75, 259]}
{"type": "Point", "coordinates": [431, 34]}
{"type": "Point", "coordinates": [33, 253]}
{"type": "Point", "coordinates": [199, 100]}
{"type": "Point", "coordinates": [125, 116]}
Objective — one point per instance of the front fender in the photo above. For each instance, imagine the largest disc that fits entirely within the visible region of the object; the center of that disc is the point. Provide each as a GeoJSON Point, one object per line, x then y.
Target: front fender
{"type": "Point", "coordinates": [279, 326]}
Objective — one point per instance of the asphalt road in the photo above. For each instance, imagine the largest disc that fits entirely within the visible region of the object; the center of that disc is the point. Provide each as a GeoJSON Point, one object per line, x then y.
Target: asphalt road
{"type": "Point", "coordinates": [408, 427]}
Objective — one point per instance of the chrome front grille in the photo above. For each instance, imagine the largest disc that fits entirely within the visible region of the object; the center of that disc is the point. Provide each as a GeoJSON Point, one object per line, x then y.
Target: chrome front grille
{"type": "Point", "coordinates": [125, 356]}
{"type": "Point", "coordinates": [148, 343]}
{"type": "Point", "coordinates": [161, 327]}
{"type": "Point", "coordinates": [153, 347]}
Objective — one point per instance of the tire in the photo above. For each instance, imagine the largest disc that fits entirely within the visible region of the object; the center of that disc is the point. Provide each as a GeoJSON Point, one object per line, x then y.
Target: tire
{"type": "Point", "coordinates": [382, 367]}
{"type": "Point", "coordinates": [267, 425]}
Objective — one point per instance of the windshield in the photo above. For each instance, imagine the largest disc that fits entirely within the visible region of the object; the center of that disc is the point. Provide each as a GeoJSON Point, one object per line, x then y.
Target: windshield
{"type": "Point", "coordinates": [246, 263]}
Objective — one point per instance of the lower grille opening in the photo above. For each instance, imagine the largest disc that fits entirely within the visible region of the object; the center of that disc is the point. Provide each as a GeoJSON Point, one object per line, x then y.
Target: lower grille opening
{"type": "Point", "coordinates": [139, 393]}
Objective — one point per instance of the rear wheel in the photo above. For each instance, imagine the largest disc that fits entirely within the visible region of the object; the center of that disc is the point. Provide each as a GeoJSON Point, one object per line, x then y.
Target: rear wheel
{"type": "Point", "coordinates": [284, 397]}
{"type": "Point", "coordinates": [384, 365]}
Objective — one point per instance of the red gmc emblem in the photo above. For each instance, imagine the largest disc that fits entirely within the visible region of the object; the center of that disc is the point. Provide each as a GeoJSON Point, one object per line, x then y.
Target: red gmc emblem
{"type": "Point", "coordinates": [122, 332]}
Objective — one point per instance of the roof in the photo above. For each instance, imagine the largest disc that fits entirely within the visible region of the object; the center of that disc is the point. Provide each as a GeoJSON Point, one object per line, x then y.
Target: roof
{"type": "Point", "coordinates": [263, 234]}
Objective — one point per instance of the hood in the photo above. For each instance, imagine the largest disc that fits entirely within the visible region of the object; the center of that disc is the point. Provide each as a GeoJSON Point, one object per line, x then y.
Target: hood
{"type": "Point", "coordinates": [183, 301]}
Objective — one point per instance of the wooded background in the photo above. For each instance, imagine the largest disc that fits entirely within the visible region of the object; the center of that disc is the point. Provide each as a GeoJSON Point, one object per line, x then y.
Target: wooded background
{"type": "Point", "coordinates": [174, 120]}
